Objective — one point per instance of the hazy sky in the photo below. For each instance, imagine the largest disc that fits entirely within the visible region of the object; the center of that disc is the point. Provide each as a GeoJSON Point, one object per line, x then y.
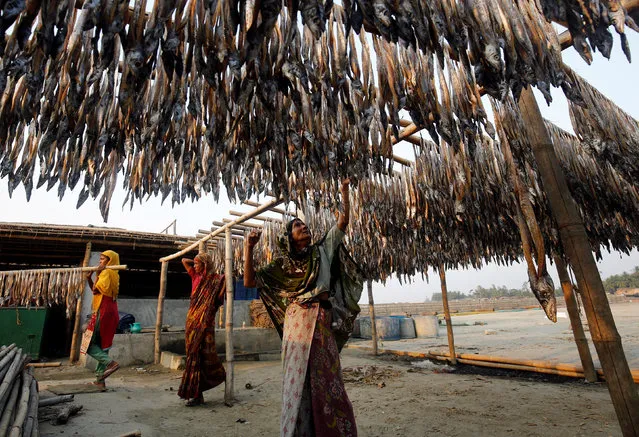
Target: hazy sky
{"type": "Point", "coordinates": [615, 78]}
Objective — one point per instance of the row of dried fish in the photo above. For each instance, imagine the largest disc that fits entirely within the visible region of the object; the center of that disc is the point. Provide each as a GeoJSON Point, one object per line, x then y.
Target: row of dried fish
{"type": "Point", "coordinates": [467, 215]}
{"type": "Point", "coordinates": [588, 22]}
{"type": "Point", "coordinates": [605, 192]}
{"type": "Point", "coordinates": [610, 134]}
{"type": "Point", "coordinates": [174, 104]}
{"type": "Point", "coordinates": [198, 91]}
{"type": "Point", "coordinates": [45, 287]}
{"type": "Point", "coordinates": [453, 212]}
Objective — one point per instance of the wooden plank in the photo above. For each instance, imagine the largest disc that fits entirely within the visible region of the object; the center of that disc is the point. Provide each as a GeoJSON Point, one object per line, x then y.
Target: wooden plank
{"type": "Point", "coordinates": [577, 248]}
{"type": "Point", "coordinates": [246, 225]}
{"type": "Point", "coordinates": [371, 306]}
{"type": "Point", "coordinates": [77, 324]}
{"type": "Point", "coordinates": [575, 321]}
{"type": "Point", "coordinates": [160, 312]}
{"type": "Point", "coordinates": [264, 219]}
{"type": "Point", "coordinates": [275, 210]}
{"type": "Point", "coordinates": [449, 323]}
{"type": "Point", "coordinates": [228, 305]}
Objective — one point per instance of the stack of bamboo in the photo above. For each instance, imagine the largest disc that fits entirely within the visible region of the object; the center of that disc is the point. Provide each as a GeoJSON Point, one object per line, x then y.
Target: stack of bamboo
{"type": "Point", "coordinates": [18, 394]}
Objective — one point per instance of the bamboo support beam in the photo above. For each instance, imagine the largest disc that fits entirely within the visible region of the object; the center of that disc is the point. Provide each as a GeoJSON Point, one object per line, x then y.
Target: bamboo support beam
{"type": "Point", "coordinates": [160, 311]}
{"type": "Point", "coordinates": [238, 221]}
{"type": "Point", "coordinates": [244, 228]}
{"type": "Point", "coordinates": [264, 219]}
{"type": "Point", "coordinates": [575, 321]}
{"type": "Point", "coordinates": [449, 323]}
{"type": "Point", "coordinates": [219, 237]}
{"type": "Point", "coordinates": [577, 247]}
{"type": "Point", "coordinates": [75, 337]}
{"type": "Point", "coordinates": [371, 309]}
{"type": "Point", "coordinates": [234, 232]}
{"type": "Point", "coordinates": [248, 225]}
{"type": "Point", "coordinates": [275, 210]}
{"type": "Point", "coordinates": [228, 272]}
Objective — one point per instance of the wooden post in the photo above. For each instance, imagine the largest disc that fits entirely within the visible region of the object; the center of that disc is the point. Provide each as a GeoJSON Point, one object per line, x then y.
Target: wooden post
{"type": "Point", "coordinates": [449, 323]}
{"type": "Point", "coordinates": [201, 247]}
{"type": "Point", "coordinates": [577, 247]}
{"type": "Point", "coordinates": [371, 306]}
{"type": "Point", "coordinates": [575, 321]}
{"type": "Point", "coordinates": [160, 311]}
{"type": "Point", "coordinates": [228, 272]}
{"type": "Point", "coordinates": [75, 339]}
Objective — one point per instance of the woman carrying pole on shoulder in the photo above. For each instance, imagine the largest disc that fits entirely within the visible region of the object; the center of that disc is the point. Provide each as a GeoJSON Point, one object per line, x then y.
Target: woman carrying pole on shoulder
{"type": "Point", "coordinates": [105, 318]}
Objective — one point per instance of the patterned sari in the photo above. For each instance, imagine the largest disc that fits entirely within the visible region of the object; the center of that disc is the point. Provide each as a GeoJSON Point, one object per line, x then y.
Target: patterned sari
{"type": "Point", "coordinates": [314, 400]}
{"type": "Point", "coordinates": [203, 369]}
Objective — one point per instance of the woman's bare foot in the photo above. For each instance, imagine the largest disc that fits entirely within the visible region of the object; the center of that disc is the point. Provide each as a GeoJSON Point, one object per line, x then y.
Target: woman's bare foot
{"type": "Point", "coordinates": [195, 401]}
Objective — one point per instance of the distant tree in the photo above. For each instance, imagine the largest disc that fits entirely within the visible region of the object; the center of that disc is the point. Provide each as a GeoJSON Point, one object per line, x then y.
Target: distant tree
{"type": "Point", "coordinates": [452, 295]}
{"type": "Point", "coordinates": [623, 280]}
{"type": "Point", "coordinates": [611, 284]}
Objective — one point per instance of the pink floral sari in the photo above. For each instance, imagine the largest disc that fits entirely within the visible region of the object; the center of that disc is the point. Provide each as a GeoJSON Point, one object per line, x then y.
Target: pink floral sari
{"type": "Point", "coordinates": [315, 402]}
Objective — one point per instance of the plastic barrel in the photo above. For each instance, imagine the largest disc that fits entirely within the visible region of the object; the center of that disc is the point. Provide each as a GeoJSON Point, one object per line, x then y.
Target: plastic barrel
{"type": "Point", "coordinates": [426, 326]}
{"type": "Point", "coordinates": [387, 328]}
{"type": "Point", "coordinates": [407, 328]}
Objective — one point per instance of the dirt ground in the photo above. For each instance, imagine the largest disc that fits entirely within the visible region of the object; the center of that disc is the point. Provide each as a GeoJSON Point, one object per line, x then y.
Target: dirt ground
{"type": "Point", "coordinates": [391, 396]}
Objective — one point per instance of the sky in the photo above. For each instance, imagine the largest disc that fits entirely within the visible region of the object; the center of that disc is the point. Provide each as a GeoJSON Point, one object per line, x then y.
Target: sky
{"type": "Point", "coordinates": [615, 78]}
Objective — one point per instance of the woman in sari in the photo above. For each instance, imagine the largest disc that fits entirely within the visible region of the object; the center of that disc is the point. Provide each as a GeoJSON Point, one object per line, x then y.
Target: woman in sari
{"type": "Point", "coordinates": [301, 291]}
{"type": "Point", "coordinates": [203, 369]}
{"type": "Point", "coordinates": [105, 318]}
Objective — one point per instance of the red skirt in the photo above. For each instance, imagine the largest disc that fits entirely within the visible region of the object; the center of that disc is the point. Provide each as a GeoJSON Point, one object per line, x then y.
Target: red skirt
{"type": "Point", "coordinates": [109, 319]}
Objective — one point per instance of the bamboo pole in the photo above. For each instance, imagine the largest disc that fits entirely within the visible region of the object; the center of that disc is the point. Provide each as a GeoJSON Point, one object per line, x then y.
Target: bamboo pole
{"type": "Point", "coordinates": [577, 247]}
{"type": "Point", "coordinates": [63, 270]}
{"type": "Point", "coordinates": [449, 323]}
{"type": "Point", "coordinates": [257, 217]}
{"type": "Point", "coordinates": [6, 349]}
{"type": "Point", "coordinates": [41, 365]}
{"type": "Point", "coordinates": [160, 311]}
{"type": "Point", "coordinates": [4, 364]}
{"type": "Point", "coordinates": [32, 411]}
{"type": "Point", "coordinates": [245, 226]}
{"type": "Point", "coordinates": [228, 272]}
{"type": "Point", "coordinates": [515, 361]}
{"type": "Point", "coordinates": [575, 321]}
{"type": "Point", "coordinates": [75, 337]}
{"type": "Point", "coordinates": [23, 406]}
{"type": "Point", "coordinates": [13, 372]}
{"type": "Point", "coordinates": [371, 306]}
{"type": "Point", "coordinates": [522, 368]}
{"type": "Point", "coordinates": [6, 412]}
{"type": "Point", "coordinates": [55, 400]}
{"type": "Point", "coordinates": [276, 210]}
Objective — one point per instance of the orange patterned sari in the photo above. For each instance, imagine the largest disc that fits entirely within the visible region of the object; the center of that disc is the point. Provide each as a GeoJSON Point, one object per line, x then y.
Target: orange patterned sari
{"type": "Point", "coordinates": [203, 369]}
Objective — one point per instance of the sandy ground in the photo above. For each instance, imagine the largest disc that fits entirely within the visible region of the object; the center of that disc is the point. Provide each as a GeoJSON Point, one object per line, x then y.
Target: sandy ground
{"type": "Point", "coordinates": [391, 397]}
